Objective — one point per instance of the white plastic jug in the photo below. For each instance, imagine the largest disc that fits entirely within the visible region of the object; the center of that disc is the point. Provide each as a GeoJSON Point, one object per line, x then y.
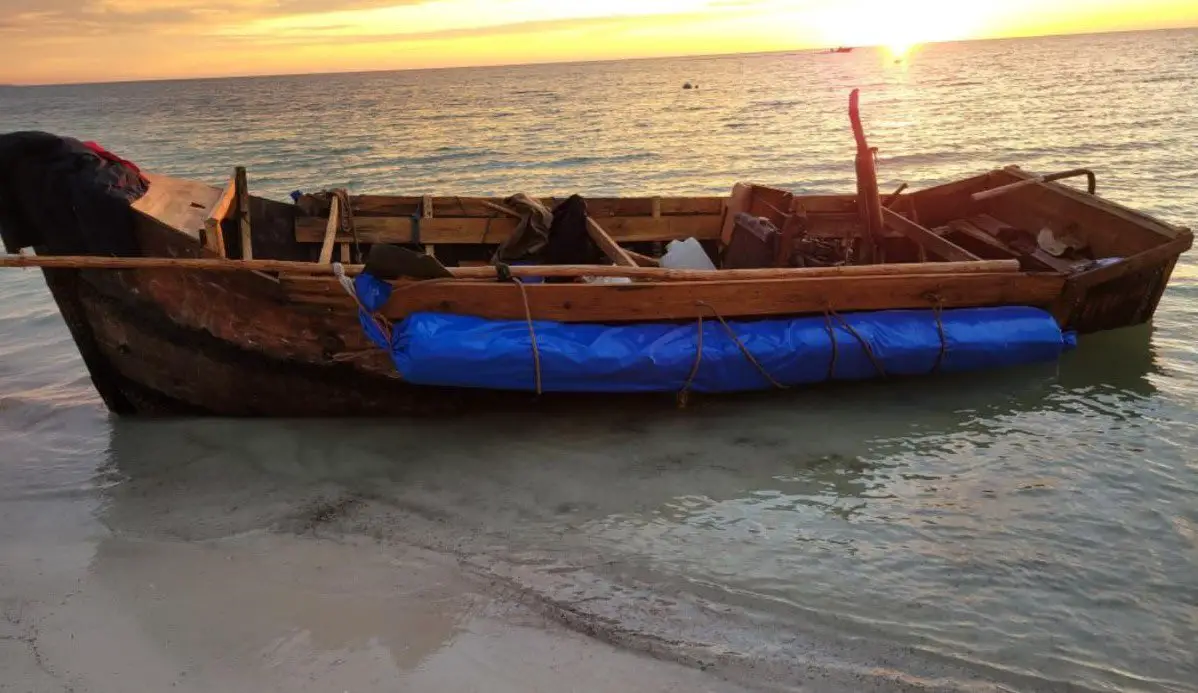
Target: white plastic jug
{"type": "Point", "coordinates": [686, 254]}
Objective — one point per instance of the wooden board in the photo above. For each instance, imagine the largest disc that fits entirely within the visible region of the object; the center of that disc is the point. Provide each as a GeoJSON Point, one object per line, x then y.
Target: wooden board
{"type": "Point", "coordinates": [679, 300]}
{"type": "Point", "coordinates": [1110, 229]}
{"type": "Point", "coordinates": [180, 204]}
{"type": "Point", "coordinates": [739, 201]}
{"type": "Point", "coordinates": [496, 230]}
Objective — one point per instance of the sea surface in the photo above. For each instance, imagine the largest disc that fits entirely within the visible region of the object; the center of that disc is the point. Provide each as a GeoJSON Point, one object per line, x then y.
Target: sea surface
{"type": "Point", "coordinates": [1030, 530]}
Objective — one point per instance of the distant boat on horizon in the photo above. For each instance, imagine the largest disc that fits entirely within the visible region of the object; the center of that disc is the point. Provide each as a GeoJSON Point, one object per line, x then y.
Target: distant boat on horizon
{"type": "Point", "coordinates": [838, 49]}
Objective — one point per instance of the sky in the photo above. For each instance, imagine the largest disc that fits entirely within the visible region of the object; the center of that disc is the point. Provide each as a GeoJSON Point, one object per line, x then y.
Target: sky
{"type": "Point", "coordinates": [54, 41]}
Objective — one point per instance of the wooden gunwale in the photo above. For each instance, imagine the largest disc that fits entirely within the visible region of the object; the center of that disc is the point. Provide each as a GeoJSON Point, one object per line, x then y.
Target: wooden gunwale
{"type": "Point", "coordinates": [748, 298]}
{"type": "Point", "coordinates": [490, 272]}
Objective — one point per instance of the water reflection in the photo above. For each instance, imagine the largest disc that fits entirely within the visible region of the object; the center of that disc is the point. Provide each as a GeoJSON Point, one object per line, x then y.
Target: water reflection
{"type": "Point", "coordinates": [821, 443]}
{"type": "Point", "coordinates": [910, 512]}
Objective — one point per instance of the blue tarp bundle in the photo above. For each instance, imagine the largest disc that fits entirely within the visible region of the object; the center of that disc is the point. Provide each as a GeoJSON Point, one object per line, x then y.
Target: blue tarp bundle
{"type": "Point", "coordinates": [460, 351]}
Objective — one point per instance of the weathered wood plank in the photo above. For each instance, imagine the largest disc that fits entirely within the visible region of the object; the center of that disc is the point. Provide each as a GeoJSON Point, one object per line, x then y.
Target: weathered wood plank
{"type": "Point", "coordinates": [925, 237]}
{"type": "Point", "coordinates": [496, 230]}
{"type": "Point", "coordinates": [679, 300]}
{"type": "Point", "coordinates": [178, 203]}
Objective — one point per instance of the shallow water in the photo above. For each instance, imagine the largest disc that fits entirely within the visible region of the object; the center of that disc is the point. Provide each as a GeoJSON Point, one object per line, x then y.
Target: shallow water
{"type": "Point", "coordinates": [1034, 529]}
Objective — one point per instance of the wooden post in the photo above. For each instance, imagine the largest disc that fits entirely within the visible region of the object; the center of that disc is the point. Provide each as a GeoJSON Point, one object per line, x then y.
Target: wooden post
{"type": "Point", "coordinates": [243, 212]}
{"type": "Point", "coordinates": [868, 203]}
{"type": "Point", "coordinates": [330, 232]}
{"type": "Point", "coordinates": [426, 212]}
{"type": "Point", "coordinates": [214, 235]}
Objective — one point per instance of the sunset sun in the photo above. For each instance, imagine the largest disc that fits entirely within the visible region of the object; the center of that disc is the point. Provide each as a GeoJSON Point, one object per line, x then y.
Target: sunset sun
{"type": "Point", "coordinates": [899, 28]}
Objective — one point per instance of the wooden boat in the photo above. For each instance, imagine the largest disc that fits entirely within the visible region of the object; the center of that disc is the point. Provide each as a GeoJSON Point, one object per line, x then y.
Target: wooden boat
{"type": "Point", "coordinates": [231, 306]}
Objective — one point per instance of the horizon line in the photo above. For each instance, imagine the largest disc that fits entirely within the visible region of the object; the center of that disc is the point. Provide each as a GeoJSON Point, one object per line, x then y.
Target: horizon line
{"type": "Point", "coordinates": [806, 49]}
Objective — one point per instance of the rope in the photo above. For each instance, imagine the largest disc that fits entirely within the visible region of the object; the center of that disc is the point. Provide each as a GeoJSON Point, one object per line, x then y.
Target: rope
{"type": "Point", "coordinates": [347, 220]}
{"type": "Point", "coordinates": [684, 393]}
{"type": "Point", "coordinates": [938, 311]}
{"type": "Point", "coordinates": [380, 322]}
{"type": "Point", "coordinates": [532, 333]}
{"type": "Point", "coordinates": [864, 344]}
{"type": "Point", "coordinates": [743, 349]}
{"type": "Point", "coordinates": [835, 346]}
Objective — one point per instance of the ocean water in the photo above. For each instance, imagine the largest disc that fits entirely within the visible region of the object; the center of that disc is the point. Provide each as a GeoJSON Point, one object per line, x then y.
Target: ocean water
{"type": "Point", "coordinates": [1035, 529]}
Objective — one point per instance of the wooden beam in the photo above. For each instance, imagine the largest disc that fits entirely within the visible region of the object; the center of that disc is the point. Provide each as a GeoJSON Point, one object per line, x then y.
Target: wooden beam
{"type": "Point", "coordinates": [243, 212]}
{"type": "Point", "coordinates": [214, 235]}
{"type": "Point", "coordinates": [330, 233]}
{"type": "Point", "coordinates": [609, 247]}
{"type": "Point", "coordinates": [494, 230]}
{"type": "Point", "coordinates": [926, 238]}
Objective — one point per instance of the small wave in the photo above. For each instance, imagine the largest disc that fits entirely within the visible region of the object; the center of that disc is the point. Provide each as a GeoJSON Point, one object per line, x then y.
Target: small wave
{"type": "Point", "coordinates": [776, 103]}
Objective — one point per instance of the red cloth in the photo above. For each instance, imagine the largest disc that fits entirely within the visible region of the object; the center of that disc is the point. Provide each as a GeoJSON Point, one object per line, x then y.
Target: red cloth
{"type": "Point", "coordinates": [105, 154]}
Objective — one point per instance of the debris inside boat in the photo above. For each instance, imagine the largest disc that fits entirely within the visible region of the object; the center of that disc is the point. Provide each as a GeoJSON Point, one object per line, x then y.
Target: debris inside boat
{"type": "Point", "coordinates": [184, 298]}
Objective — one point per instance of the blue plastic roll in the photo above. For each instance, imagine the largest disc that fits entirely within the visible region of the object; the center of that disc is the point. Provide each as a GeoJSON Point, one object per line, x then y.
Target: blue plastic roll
{"type": "Point", "coordinates": [462, 351]}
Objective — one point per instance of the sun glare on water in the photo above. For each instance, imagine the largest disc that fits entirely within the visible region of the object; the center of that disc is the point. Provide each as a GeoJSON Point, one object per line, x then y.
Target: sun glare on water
{"type": "Point", "coordinates": [899, 27]}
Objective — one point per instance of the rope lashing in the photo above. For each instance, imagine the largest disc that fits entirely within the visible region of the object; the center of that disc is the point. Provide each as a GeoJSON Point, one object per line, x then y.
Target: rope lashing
{"type": "Point", "coordinates": [938, 312]}
{"type": "Point", "coordinates": [684, 394]}
{"type": "Point", "coordinates": [831, 312]}
{"type": "Point", "coordinates": [347, 220]}
{"type": "Point", "coordinates": [532, 333]}
{"type": "Point", "coordinates": [835, 346]}
{"type": "Point", "coordinates": [380, 322]}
